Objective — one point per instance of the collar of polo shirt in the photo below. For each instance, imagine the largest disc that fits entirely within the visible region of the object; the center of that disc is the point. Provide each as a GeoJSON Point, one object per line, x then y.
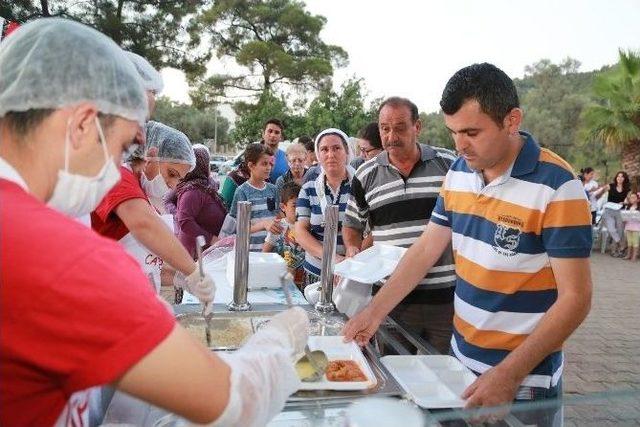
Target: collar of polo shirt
{"type": "Point", "coordinates": [426, 153]}
{"type": "Point", "coordinates": [527, 157]}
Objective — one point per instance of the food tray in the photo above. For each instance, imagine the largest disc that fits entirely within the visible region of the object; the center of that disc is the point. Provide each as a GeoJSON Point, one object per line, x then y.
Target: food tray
{"type": "Point", "coordinates": [432, 381]}
{"type": "Point", "coordinates": [372, 264]}
{"type": "Point", "coordinates": [336, 349]}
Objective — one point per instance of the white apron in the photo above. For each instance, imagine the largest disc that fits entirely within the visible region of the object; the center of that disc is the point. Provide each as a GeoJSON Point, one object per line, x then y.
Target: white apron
{"type": "Point", "coordinates": [150, 263]}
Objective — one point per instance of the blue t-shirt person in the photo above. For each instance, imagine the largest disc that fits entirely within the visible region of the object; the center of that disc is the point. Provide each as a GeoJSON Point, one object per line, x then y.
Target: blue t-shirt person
{"type": "Point", "coordinates": [280, 166]}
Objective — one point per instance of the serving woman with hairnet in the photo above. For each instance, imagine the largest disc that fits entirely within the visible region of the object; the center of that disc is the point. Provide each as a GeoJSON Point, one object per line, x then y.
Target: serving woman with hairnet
{"type": "Point", "coordinates": [126, 215]}
{"type": "Point", "coordinates": [76, 312]}
{"type": "Point", "coordinates": [150, 179]}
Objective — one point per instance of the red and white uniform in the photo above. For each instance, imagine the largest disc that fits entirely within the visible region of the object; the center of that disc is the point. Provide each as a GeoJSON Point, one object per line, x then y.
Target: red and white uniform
{"type": "Point", "coordinates": [76, 311]}
{"type": "Point", "coordinates": [105, 221]}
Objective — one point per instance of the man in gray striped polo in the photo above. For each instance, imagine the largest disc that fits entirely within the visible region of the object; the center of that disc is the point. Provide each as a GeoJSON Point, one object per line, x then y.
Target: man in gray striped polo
{"type": "Point", "coordinates": [395, 193]}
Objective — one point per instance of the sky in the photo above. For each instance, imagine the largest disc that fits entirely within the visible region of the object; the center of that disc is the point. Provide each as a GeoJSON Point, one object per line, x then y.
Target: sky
{"type": "Point", "coordinates": [411, 48]}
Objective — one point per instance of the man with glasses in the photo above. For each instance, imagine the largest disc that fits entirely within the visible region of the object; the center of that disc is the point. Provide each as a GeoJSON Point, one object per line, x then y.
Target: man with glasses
{"type": "Point", "coordinates": [369, 144]}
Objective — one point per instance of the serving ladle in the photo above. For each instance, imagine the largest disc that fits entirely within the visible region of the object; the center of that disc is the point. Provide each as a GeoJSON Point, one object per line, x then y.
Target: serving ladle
{"type": "Point", "coordinates": [200, 242]}
{"type": "Point", "coordinates": [312, 366]}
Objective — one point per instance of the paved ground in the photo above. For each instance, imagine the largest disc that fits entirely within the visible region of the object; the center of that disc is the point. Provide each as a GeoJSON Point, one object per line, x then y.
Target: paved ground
{"type": "Point", "coordinates": [604, 353]}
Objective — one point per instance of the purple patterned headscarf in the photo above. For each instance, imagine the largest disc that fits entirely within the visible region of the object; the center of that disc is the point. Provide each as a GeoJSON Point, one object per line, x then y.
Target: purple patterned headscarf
{"type": "Point", "coordinates": [199, 176]}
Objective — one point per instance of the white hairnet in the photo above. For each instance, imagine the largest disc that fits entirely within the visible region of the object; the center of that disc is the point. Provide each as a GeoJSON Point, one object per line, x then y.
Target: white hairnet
{"type": "Point", "coordinates": [151, 78]}
{"type": "Point", "coordinates": [51, 63]}
{"type": "Point", "coordinates": [342, 135]}
{"type": "Point", "coordinates": [173, 145]}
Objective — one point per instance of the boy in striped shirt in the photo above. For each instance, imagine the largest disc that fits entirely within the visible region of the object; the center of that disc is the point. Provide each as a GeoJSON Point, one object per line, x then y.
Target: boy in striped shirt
{"type": "Point", "coordinates": [519, 223]}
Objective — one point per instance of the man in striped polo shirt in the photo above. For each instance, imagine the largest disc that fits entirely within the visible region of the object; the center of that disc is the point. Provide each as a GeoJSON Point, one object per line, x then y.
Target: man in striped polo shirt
{"type": "Point", "coordinates": [519, 222]}
{"type": "Point", "coordinates": [395, 193]}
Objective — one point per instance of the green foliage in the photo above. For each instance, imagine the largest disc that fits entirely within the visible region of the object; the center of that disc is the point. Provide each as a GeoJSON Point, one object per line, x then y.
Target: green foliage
{"type": "Point", "coordinates": [614, 117]}
{"type": "Point", "coordinates": [275, 42]}
{"type": "Point", "coordinates": [434, 132]}
{"type": "Point", "coordinates": [150, 28]}
{"type": "Point", "coordinates": [344, 110]}
{"type": "Point", "coordinates": [198, 125]}
{"type": "Point", "coordinates": [251, 117]}
{"type": "Point", "coordinates": [552, 97]}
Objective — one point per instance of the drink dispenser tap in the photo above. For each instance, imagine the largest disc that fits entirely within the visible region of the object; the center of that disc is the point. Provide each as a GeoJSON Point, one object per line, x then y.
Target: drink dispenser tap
{"type": "Point", "coordinates": [331, 218]}
{"type": "Point", "coordinates": [241, 263]}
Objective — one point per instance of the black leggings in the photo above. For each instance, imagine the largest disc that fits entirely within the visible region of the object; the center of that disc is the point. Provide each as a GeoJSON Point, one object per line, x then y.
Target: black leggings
{"type": "Point", "coordinates": [593, 217]}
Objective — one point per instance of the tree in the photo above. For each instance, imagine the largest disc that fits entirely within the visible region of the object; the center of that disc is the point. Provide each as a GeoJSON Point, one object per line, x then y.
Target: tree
{"type": "Point", "coordinates": [274, 42]}
{"type": "Point", "coordinates": [344, 110]}
{"type": "Point", "coordinates": [614, 118]}
{"type": "Point", "coordinates": [251, 117]}
{"type": "Point", "coordinates": [434, 132]}
{"type": "Point", "coordinates": [153, 29]}
{"type": "Point", "coordinates": [553, 99]}
{"type": "Point", "coordinates": [198, 125]}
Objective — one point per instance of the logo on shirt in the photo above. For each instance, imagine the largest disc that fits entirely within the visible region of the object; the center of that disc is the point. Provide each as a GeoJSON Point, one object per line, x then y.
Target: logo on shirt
{"type": "Point", "coordinates": [507, 235]}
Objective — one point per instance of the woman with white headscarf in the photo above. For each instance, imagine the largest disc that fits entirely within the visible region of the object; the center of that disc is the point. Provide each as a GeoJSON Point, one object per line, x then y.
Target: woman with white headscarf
{"type": "Point", "coordinates": [331, 187]}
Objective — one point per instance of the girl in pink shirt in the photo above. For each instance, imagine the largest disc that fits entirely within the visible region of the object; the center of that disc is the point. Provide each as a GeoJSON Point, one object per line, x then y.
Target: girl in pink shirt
{"type": "Point", "coordinates": [632, 228]}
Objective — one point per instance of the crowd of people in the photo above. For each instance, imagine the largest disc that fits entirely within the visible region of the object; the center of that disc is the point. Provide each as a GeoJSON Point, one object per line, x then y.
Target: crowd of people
{"type": "Point", "coordinates": [498, 237]}
{"type": "Point", "coordinates": [624, 233]}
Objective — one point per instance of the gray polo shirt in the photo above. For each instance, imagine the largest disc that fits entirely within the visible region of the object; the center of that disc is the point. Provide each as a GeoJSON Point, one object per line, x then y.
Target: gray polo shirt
{"type": "Point", "coordinates": [399, 208]}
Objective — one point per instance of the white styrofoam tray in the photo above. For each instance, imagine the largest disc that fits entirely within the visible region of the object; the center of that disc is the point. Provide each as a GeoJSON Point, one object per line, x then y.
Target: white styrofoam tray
{"type": "Point", "coordinates": [431, 381]}
{"type": "Point", "coordinates": [265, 269]}
{"type": "Point", "coordinates": [372, 264]}
{"type": "Point", "coordinates": [336, 349]}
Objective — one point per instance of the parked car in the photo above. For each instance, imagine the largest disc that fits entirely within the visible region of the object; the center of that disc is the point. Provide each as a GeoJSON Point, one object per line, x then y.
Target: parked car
{"type": "Point", "coordinates": [216, 163]}
{"type": "Point", "coordinates": [230, 164]}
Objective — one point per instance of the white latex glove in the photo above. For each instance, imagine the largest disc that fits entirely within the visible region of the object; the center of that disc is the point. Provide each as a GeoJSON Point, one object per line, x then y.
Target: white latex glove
{"type": "Point", "coordinates": [262, 372]}
{"type": "Point", "coordinates": [294, 323]}
{"type": "Point", "coordinates": [202, 288]}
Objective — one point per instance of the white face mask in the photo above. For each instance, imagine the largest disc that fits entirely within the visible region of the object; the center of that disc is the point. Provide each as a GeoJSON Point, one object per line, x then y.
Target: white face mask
{"type": "Point", "coordinates": [156, 187]}
{"type": "Point", "coordinates": [78, 195]}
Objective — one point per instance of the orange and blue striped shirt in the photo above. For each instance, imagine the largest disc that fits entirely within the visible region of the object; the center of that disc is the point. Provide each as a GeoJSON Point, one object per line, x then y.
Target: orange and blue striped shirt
{"type": "Point", "coordinates": [503, 235]}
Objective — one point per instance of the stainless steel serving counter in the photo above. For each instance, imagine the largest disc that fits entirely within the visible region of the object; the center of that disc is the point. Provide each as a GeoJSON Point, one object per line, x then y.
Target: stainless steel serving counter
{"type": "Point", "coordinates": [308, 408]}
{"type": "Point", "coordinates": [315, 407]}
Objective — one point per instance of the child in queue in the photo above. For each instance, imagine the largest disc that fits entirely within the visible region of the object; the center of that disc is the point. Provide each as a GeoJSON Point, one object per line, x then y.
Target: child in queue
{"type": "Point", "coordinates": [632, 228]}
{"type": "Point", "coordinates": [262, 195]}
{"type": "Point", "coordinates": [284, 243]}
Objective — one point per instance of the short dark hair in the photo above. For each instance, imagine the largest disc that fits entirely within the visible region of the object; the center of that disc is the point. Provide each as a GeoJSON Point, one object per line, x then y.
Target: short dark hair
{"type": "Point", "coordinates": [586, 170]}
{"type": "Point", "coordinates": [21, 122]}
{"type": "Point", "coordinates": [274, 121]}
{"type": "Point", "coordinates": [490, 86]}
{"type": "Point", "coordinates": [254, 151]}
{"type": "Point", "coordinates": [307, 141]}
{"type": "Point", "coordinates": [397, 101]}
{"type": "Point", "coordinates": [289, 190]}
{"type": "Point", "coordinates": [371, 133]}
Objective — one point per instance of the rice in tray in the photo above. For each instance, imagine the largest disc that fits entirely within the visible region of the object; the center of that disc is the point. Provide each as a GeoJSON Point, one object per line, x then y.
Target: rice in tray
{"type": "Point", "coordinates": [228, 333]}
